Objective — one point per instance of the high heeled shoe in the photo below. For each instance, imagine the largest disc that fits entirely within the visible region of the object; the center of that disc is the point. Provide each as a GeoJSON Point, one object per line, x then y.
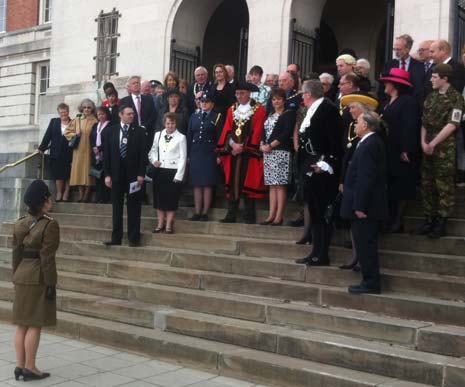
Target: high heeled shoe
{"type": "Point", "coordinates": [304, 240]}
{"type": "Point", "coordinates": [277, 223]}
{"type": "Point", "coordinates": [29, 375]}
{"type": "Point", "coordinates": [18, 372]}
{"type": "Point", "coordinates": [266, 222]}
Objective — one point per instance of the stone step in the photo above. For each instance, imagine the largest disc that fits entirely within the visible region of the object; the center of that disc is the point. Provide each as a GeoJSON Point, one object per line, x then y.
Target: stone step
{"type": "Point", "coordinates": [454, 226]}
{"type": "Point", "coordinates": [357, 354]}
{"type": "Point", "coordinates": [254, 307]}
{"type": "Point", "coordinates": [225, 359]}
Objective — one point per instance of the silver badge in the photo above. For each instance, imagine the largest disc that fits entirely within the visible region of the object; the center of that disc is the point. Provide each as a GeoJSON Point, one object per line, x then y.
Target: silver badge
{"type": "Point", "coordinates": [124, 141]}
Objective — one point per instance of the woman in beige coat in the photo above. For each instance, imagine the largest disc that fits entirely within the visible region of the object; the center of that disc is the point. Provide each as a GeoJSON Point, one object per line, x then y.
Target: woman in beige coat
{"type": "Point", "coordinates": [82, 126]}
{"type": "Point", "coordinates": [35, 241]}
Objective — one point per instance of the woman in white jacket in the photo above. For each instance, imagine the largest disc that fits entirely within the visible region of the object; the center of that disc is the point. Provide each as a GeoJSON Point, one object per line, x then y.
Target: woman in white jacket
{"type": "Point", "coordinates": [168, 155]}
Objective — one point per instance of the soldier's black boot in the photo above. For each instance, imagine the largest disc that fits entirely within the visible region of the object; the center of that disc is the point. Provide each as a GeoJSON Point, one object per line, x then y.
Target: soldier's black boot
{"type": "Point", "coordinates": [231, 214]}
{"type": "Point", "coordinates": [439, 228]}
{"type": "Point", "coordinates": [249, 211]}
{"type": "Point", "coordinates": [426, 227]}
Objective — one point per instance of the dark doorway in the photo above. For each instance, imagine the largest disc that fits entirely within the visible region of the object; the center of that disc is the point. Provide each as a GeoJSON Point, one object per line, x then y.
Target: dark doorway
{"type": "Point", "coordinates": [225, 39]}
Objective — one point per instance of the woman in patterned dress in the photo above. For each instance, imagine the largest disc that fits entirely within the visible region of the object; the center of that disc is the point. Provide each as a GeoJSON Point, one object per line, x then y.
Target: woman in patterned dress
{"type": "Point", "coordinates": [276, 148]}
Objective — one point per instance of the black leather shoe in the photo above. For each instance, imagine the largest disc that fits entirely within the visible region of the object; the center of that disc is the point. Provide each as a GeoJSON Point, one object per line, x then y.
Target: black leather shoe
{"type": "Point", "coordinates": [303, 261]}
{"type": "Point", "coordinates": [361, 289]}
{"type": "Point", "coordinates": [29, 375]}
{"type": "Point", "coordinates": [426, 227]}
{"type": "Point", "coordinates": [439, 229]}
{"type": "Point", "coordinates": [195, 218]}
{"type": "Point", "coordinates": [134, 243]}
{"type": "Point", "coordinates": [349, 266]}
{"type": "Point", "coordinates": [317, 261]}
{"type": "Point", "coordinates": [228, 220]}
{"type": "Point", "coordinates": [112, 243]}
{"type": "Point", "coordinates": [18, 372]}
{"type": "Point", "coordinates": [204, 218]}
{"type": "Point", "coordinates": [249, 221]}
{"type": "Point", "coordinates": [296, 223]}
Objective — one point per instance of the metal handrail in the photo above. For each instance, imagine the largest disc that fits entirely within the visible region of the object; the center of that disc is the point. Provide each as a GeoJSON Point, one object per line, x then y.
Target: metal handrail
{"type": "Point", "coordinates": [24, 159]}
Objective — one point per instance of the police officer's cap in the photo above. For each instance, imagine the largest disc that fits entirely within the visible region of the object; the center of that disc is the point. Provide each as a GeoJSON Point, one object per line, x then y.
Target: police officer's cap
{"type": "Point", "coordinates": [207, 97]}
{"type": "Point", "coordinates": [36, 194]}
{"type": "Point", "coordinates": [155, 83]}
{"type": "Point", "coordinates": [443, 70]}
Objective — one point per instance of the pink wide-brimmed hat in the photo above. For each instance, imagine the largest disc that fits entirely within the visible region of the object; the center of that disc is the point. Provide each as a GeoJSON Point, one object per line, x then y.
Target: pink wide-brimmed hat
{"type": "Point", "coordinates": [397, 75]}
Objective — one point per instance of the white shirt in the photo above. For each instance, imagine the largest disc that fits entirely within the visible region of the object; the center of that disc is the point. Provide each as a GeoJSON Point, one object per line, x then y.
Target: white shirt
{"type": "Point", "coordinates": [447, 60]}
{"type": "Point", "coordinates": [310, 112]}
{"type": "Point", "coordinates": [407, 63]}
{"type": "Point", "coordinates": [365, 137]}
{"type": "Point", "coordinates": [134, 99]}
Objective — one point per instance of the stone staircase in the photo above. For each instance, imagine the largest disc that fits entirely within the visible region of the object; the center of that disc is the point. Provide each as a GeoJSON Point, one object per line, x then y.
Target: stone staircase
{"type": "Point", "coordinates": [228, 298]}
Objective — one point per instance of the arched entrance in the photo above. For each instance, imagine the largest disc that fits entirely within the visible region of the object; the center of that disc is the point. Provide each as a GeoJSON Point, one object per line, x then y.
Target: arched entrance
{"type": "Point", "coordinates": [362, 29]}
{"type": "Point", "coordinates": [206, 32]}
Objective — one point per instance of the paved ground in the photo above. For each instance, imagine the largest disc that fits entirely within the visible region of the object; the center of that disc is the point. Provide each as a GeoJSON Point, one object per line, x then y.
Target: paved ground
{"type": "Point", "coordinates": [75, 363]}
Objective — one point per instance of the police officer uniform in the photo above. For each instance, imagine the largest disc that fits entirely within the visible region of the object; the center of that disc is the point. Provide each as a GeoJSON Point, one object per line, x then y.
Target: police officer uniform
{"type": "Point", "coordinates": [35, 242]}
{"type": "Point", "coordinates": [202, 137]}
{"type": "Point", "coordinates": [438, 169]}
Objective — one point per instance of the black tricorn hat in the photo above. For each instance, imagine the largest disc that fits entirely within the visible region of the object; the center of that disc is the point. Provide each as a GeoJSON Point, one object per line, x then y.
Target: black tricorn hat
{"type": "Point", "coordinates": [36, 193]}
{"type": "Point", "coordinates": [247, 86]}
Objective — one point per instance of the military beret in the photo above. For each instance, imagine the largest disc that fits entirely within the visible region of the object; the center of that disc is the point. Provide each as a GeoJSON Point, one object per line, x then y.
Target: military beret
{"type": "Point", "coordinates": [36, 193]}
{"type": "Point", "coordinates": [443, 70]}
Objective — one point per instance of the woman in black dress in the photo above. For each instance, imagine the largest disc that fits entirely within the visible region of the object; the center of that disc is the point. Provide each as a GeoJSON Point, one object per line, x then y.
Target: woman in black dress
{"type": "Point", "coordinates": [276, 148]}
{"type": "Point", "coordinates": [202, 137]}
{"type": "Point", "coordinates": [97, 139]}
{"type": "Point", "coordinates": [401, 114]}
{"type": "Point", "coordinates": [168, 155]}
{"type": "Point", "coordinates": [223, 91]}
{"type": "Point", "coordinates": [61, 155]}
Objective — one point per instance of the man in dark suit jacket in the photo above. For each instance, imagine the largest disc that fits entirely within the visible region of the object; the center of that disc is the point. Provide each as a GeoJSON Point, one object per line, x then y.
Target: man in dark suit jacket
{"type": "Point", "coordinates": [147, 115]}
{"type": "Point", "coordinates": [201, 85]}
{"type": "Point", "coordinates": [402, 46]}
{"type": "Point", "coordinates": [364, 200]}
{"type": "Point", "coordinates": [440, 52]}
{"type": "Point", "coordinates": [124, 163]}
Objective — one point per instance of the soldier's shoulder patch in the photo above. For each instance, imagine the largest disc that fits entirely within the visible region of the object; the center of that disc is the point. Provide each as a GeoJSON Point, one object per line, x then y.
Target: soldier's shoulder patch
{"type": "Point", "coordinates": [456, 115]}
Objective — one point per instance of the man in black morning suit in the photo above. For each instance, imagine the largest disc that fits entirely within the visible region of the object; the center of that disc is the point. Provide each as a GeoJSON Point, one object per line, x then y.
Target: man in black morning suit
{"type": "Point", "coordinates": [440, 52]}
{"type": "Point", "coordinates": [124, 163]}
{"type": "Point", "coordinates": [364, 200]}
{"type": "Point", "coordinates": [145, 114]}
{"type": "Point", "coordinates": [402, 46]}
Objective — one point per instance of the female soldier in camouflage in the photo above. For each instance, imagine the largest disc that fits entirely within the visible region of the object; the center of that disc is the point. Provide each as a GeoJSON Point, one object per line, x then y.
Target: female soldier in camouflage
{"type": "Point", "coordinates": [35, 241]}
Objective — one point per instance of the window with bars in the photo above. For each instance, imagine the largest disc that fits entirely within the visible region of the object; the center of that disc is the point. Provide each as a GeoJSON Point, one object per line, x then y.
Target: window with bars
{"type": "Point", "coordinates": [44, 78]}
{"type": "Point", "coordinates": [107, 41]}
{"type": "Point", "coordinates": [2, 15]}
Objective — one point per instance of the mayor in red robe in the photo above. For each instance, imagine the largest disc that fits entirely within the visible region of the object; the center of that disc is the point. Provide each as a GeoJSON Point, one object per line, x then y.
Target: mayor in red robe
{"type": "Point", "coordinates": [239, 149]}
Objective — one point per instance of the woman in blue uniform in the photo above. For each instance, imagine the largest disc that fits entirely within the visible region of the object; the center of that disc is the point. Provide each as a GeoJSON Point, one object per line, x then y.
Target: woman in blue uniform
{"type": "Point", "coordinates": [202, 137]}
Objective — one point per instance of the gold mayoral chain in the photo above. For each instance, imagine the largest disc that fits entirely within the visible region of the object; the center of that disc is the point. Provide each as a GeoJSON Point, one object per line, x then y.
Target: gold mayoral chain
{"type": "Point", "coordinates": [349, 138]}
{"type": "Point", "coordinates": [240, 119]}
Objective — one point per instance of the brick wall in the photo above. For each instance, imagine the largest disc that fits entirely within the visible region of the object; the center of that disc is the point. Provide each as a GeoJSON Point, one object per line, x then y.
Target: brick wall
{"type": "Point", "coordinates": [21, 14]}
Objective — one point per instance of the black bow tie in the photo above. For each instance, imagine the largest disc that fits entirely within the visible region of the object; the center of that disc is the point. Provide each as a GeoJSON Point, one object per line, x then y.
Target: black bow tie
{"type": "Point", "coordinates": [168, 138]}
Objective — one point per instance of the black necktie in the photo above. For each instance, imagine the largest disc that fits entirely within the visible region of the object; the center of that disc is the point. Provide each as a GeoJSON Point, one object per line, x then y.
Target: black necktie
{"type": "Point", "coordinates": [168, 138]}
{"type": "Point", "coordinates": [123, 149]}
{"type": "Point", "coordinates": [204, 115]}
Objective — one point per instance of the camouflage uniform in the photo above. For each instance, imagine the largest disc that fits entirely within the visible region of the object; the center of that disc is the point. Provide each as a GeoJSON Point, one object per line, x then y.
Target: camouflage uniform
{"type": "Point", "coordinates": [438, 170]}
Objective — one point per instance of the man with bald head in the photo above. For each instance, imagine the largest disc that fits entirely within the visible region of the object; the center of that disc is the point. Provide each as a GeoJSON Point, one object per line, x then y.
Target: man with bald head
{"type": "Point", "coordinates": [441, 52]}
{"type": "Point", "coordinates": [293, 96]}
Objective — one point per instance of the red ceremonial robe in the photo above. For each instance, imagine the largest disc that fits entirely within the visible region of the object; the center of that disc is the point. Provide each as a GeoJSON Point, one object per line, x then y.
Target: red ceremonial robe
{"type": "Point", "coordinates": [249, 163]}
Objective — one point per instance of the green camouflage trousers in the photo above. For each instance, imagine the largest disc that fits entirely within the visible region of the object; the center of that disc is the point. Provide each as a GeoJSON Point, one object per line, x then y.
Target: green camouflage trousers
{"type": "Point", "coordinates": [437, 182]}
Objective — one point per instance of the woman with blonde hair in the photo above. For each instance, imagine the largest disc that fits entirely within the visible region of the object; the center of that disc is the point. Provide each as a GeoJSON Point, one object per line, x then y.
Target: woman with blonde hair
{"type": "Point", "coordinates": [81, 127]}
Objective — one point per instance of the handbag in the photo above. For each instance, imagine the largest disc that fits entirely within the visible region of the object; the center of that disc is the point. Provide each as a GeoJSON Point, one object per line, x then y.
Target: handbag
{"type": "Point", "coordinates": [95, 172]}
{"type": "Point", "coordinates": [151, 170]}
{"type": "Point", "coordinates": [74, 141]}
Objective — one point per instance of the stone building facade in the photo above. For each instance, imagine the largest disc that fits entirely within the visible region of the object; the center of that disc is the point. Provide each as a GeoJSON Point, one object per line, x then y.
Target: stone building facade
{"type": "Point", "coordinates": [60, 50]}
